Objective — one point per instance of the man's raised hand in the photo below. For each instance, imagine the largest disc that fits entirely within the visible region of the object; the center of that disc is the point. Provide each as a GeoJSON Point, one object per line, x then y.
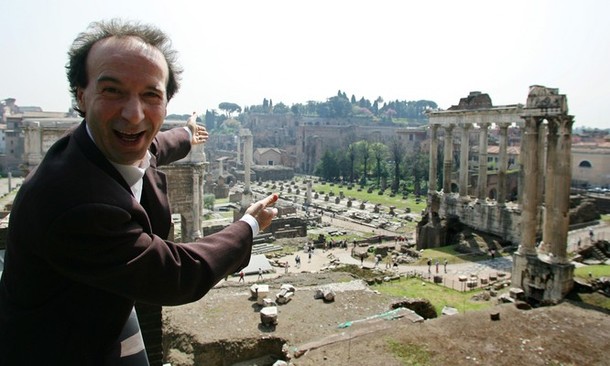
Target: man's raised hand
{"type": "Point", "coordinates": [263, 211]}
{"type": "Point", "coordinates": [200, 134]}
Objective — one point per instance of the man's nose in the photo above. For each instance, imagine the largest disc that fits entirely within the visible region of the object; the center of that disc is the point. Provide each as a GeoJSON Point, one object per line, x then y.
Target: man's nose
{"type": "Point", "coordinates": [133, 110]}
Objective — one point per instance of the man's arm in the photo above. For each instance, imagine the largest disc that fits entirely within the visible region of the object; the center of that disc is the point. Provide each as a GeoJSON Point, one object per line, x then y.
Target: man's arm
{"type": "Point", "coordinates": [175, 144]}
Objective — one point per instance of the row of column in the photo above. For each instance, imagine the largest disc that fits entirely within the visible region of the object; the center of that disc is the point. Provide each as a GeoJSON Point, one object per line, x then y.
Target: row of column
{"type": "Point", "coordinates": [546, 177]}
{"type": "Point", "coordinates": [464, 150]}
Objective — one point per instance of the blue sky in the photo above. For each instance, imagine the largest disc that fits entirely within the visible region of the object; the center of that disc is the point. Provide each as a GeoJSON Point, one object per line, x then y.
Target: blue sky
{"type": "Point", "coordinates": [242, 51]}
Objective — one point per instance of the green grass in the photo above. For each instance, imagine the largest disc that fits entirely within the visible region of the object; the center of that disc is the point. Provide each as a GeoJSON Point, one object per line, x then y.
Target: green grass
{"type": "Point", "coordinates": [596, 271]}
{"type": "Point", "coordinates": [594, 299]}
{"type": "Point", "coordinates": [438, 295]}
{"type": "Point", "coordinates": [219, 201]}
{"type": "Point", "coordinates": [409, 354]}
{"type": "Point", "coordinates": [449, 253]}
{"type": "Point", "coordinates": [374, 197]}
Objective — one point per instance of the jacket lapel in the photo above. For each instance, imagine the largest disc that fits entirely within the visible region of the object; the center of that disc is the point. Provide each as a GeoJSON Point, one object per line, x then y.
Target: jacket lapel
{"type": "Point", "coordinates": [155, 202]}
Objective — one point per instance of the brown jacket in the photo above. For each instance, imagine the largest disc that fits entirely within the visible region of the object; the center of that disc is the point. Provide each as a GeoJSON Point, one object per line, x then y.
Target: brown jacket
{"type": "Point", "coordinates": [81, 250]}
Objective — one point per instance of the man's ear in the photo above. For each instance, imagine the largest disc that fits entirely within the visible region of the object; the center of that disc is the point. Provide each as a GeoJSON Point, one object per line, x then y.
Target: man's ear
{"type": "Point", "coordinates": [80, 98]}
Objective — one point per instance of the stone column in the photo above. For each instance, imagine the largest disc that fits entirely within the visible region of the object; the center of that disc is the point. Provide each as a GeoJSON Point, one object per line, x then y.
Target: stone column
{"type": "Point", "coordinates": [308, 195]}
{"type": "Point", "coordinates": [529, 206]}
{"type": "Point", "coordinates": [247, 160]}
{"type": "Point", "coordinates": [542, 141]}
{"type": "Point", "coordinates": [464, 148]}
{"type": "Point", "coordinates": [238, 141]}
{"type": "Point", "coordinates": [197, 204]}
{"type": "Point", "coordinates": [432, 183]}
{"type": "Point", "coordinates": [32, 145]}
{"type": "Point", "coordinates": [248, 147]}
{"type": "Point", "coordinates": [562, 172]}
{"type": "Point", "coordinates": [503, 164]}
{"type": "Point", "coordinates": [549, 174]}
{"type": "Point", "coordinates": [448, 159]}
{"type": "Point", "coordinates": [482, 182]}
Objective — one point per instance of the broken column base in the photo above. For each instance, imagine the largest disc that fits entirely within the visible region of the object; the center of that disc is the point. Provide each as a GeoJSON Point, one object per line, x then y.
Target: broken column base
{"type": "Point", "coordinates": [543, 282]}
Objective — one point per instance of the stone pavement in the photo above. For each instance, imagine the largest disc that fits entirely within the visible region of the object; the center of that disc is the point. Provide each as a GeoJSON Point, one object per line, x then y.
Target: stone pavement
{"type": "Point", "coordinates": [5, 198]}
{"type": "Point", "coordinates": [321, 259]}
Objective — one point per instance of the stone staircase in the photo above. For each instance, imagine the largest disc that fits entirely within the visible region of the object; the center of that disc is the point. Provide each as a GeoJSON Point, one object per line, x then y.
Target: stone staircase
{"type": "Point", "coordinates": [263, 248]}
{"type": "Point", "coordinates": [598, 254]}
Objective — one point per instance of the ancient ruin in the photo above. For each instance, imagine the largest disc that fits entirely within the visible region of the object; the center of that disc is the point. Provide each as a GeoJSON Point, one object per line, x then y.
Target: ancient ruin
{"type": "Point", "coordinates": [542, 205]}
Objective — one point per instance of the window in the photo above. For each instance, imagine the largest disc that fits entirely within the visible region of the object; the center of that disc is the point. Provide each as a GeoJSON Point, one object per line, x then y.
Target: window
{"type": "Point", "coordinates": [585, 164]}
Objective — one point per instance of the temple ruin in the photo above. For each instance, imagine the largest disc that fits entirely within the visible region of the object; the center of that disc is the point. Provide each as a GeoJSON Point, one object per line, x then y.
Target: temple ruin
{"type": "Point", "coordinates": [540, 213]}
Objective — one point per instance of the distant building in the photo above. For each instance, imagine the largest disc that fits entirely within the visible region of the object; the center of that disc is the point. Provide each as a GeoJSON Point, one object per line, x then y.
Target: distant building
{"type": "Point", "coordinates": [591, 164]}
{"type": "Point", "coordinates": [267, 156]}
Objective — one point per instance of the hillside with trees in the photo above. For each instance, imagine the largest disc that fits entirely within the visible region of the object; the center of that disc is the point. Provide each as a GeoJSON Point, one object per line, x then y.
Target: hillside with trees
{"type": "Point", "coordinates": [411, 113]}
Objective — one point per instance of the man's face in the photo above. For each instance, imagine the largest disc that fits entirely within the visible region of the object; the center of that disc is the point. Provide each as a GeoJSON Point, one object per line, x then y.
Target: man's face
{"type": "Point", "coordinates": [125, 98]}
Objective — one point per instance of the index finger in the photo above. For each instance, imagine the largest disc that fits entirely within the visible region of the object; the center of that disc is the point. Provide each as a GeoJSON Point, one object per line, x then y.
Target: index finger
{"type": "Point", "coordinates": [270, 200]}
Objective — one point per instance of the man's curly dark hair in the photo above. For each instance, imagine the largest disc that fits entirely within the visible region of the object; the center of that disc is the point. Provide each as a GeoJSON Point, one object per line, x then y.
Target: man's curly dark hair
{"type": "Point", "coordinates": [151, 35]}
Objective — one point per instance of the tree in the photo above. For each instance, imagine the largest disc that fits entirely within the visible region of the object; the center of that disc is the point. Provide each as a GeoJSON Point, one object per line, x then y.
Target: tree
{"type": "Point", "coordinates": [396, 154]}
{"type": "Point", "coordinates": [210, 120]}
{"type": "Point", "coordinates": [380, 153]}
{"type": "Point", "coordinates": [208, 201]}
{"type": "Point", "coordinates": [351, 157]}
{"type": "Point", "coordinates": [417, 169]}
{"type": "Point", "coordinates": [364, 153]}
{"type": "Point", "coordinates": [229, 108]}
{"type": "Point", "coordinates": [281, 108]}
{"type": "Point", "coordinates": [339, 106]}
{"type": "Point", "coordinates": [328, 168]}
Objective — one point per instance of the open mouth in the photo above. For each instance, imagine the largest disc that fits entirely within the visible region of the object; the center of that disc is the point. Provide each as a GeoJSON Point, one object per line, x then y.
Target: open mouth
{"type": "Point", "coordinates": [129, 137]}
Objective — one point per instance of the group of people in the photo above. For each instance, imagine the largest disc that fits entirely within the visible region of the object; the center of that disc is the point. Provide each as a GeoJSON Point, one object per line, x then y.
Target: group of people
{"type": "Point", "coordinates": [437, 264]}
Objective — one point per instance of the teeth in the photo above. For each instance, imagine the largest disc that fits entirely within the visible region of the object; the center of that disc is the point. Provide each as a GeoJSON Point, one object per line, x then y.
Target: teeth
{"type": "Point", "coordinates": [129, 136]}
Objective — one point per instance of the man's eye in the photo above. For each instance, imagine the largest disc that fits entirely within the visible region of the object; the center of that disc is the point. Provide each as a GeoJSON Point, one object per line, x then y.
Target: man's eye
{"type": "Point", "coordinates": [152, 96]}
{"type": "Point", "coordinates": [111, 91]}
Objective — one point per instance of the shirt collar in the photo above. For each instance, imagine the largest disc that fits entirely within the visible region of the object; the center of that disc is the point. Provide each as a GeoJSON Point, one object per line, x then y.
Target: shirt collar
{"type": "Point", "coordinates": [131, 173]}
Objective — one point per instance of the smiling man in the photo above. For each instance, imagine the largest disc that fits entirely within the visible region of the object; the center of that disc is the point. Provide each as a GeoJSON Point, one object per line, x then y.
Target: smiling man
{"type": "Point", "coordinates": [88, 229]}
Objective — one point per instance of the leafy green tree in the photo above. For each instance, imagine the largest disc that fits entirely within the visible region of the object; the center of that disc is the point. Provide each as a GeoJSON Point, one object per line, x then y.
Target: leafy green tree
{"type": "Point", "coordinates": [297, 109]}
{"type": "Point", "coordinates": [380, 153]}
{"type": "Point", "coordinates": [281, 108]}
{"type": "Point", "coordinates": [208, 201]}
{"type": "Point", "coordinates": [364, 152]}
{"type": "Point", "coordinates": [327, 167]}
{"type": "Point", "coordinates": [396, 155]}
{"type": "Point", "coordinates": [364, 103]}
{"type": "Point", "coordinates": [210, 119]}
{"type": "Point", "coordinates": [351, 157]}
{"type": "Point", "coordinates": [229, 108]}
{"type": "Point", "coordinates": [339, 106]}
{"type": "Point", "coordinates": [417, 170]}
{"type": "Point", "coordinates": [345, 166]}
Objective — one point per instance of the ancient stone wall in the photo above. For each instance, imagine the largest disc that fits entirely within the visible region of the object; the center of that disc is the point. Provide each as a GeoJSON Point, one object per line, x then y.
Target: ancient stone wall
{"type": "Point", "coordinates": [185, 183]}
{"type": "Point", "coordinates": [500, 220]}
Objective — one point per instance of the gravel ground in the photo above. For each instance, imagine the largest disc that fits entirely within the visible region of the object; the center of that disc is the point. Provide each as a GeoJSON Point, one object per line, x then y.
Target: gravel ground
{"type": "Point", "coordinates": [227, 319]}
